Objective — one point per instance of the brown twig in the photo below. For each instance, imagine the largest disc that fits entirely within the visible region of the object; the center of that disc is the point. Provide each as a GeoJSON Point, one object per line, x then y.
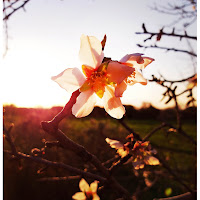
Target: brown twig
{"type": "Point", "coordinates": [154, 131]}
{"type": "Point", "coordinates": [51, 127]}
{"type": "Point", "coordinates": [9, 138]}
{"type": "Point", "coordinates": [66, 178]}
{"type": "Point", "coordinates": [178, 179]}
{"type": "Point", "coordinates": [167, 49]}
{"type": "Point", "coordinates": [183, 133]}
{"type": "Point", "coordinates": [170, 34]}
{"type": "Point", "coordinates": [136, 135]}
{"type": "Point", "coordinates": [6, 17]}
{"type": "Point", "coordinates": [57, 165]}
{"type": "Point", "coordinates": [185, 196]}
{"type": "Point", "coordinates": [171, 81]}
{"type": "Point", "coordinates": [171, 93]}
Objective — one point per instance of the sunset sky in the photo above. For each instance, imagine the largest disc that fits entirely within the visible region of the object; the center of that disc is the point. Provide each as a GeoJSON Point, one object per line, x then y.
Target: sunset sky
{"type": "Point", "coordinates": [45, 40]}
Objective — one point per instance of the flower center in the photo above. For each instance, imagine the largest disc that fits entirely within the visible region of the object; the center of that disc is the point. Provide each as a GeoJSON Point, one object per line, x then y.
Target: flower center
{"type": "Point", "coordinates": [89, 195]}
{"type": "Point", "coordinates": [97, 77]}
{"type": "Point", "coordinates": [96, 80]}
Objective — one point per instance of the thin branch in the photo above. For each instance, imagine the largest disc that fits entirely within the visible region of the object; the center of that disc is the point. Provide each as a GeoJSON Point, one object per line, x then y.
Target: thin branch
{"type": "Point", "coordinates": [6, 17]}
{"type": "Point", "coordinates": [168, 49]}
{"type": "Point", "coordinates": [154, 131]}
{"type": "Point", "coordinates": [57, 165]}
{"type": "Point", "coordinates": [9, 138]}
{"type": "Point", "coordinates": [173, 81]}
{"type": "Point", "coordinates": [171, 34]}
{"type": "Point", "coordinates": [183, 133]}
{"type": "Point", "coordinates": [186, 196]}
{"type": "Point", "coordinates": [136, 135]}
{"type": "Point", "coordinates": [166, 166]}
{"type": "Point", "coordinates": [66, 178]}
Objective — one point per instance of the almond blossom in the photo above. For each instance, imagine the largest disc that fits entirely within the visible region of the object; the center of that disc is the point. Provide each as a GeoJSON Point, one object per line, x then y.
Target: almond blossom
{"type": "Point", "coordinates": [141, 152]}
{"type": "Point", "coordinates": [137, 62]}
{"type": "Point", "coordinates": [87, 192]}
{"type": "Point", "coordinates": [98, 79]}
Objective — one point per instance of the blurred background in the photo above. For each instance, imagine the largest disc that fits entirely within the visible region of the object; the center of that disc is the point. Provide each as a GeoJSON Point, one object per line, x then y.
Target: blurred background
{"type": "Point", "coordinates": [42, 38]}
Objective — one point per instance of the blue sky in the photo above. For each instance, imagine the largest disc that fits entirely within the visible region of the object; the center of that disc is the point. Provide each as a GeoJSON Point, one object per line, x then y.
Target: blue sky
{"type": "Point", "coordinates": [45, 40]}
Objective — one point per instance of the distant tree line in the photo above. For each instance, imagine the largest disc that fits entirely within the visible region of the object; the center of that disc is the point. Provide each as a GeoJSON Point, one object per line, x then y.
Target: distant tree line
{"type": "Point", "coordinates": [145, 112]}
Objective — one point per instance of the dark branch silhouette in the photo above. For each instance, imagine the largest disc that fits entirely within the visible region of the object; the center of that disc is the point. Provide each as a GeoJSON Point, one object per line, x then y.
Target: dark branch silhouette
{"type": "Point", "coordinates": [167, 49]}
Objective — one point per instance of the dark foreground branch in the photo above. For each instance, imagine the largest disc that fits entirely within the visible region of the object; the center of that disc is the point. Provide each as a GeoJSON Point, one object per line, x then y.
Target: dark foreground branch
{"type": "Point", "coordinates": [51, 127]}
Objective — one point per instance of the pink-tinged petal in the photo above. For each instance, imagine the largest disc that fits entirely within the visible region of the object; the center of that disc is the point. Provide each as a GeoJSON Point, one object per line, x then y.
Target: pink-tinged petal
{"type": "Point", "coordinates": [71, 79]}
{"type": "Point", "coordinates": [127, 57]}
{"type": "Point", "coordinates": [117, 72]}
{"type": "Point", "coordinates": [85, 103]}
{"type": "Point", "coordinates": [119, 90]}
{"type": "Point", "coordinates": [150, 160]}
{"type": "Point", "coordinates": [90, 53]}
{"type": "Point", "coordinates": [96, 197]}
{"type": "Point", "coordinates": [93, 186]}
{"type": "Point", "coordinates": [112, 104]}
{"type": "Point", "coordinates": [136, 77]}
{"type": "Point", "coordinates": [79, 196]}
{"type": "Point", "coordinates": [136, 60]}
{"type": "Point", "coordinates": [147, 61]}
{"type": "Point", "coordinates": [83, 185]}
{"type": "Point", "coordinates": [114, 143]}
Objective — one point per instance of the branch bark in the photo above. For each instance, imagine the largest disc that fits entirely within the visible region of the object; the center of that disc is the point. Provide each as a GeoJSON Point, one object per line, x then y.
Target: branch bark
{"type": "Point", "coordinates": [51, 127]}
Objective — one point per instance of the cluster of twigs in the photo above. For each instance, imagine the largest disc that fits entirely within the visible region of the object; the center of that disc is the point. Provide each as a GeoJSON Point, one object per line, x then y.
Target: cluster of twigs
{"type": "Point", "coordinates": [9, 8]}
{"type": "Point", "coordinates": [159, 34]}
{"type": "Point", "coordinates": [184, 10]}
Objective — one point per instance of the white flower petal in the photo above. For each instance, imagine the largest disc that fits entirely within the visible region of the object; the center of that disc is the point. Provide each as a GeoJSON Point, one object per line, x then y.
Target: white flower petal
{"type": "Point", "coordinates": [71, 79]}
{"type": "Point", "coordinates": [119, 90]}
{"type": "Point", "coordinates": [122, 152]}
{"type": "Point", "coordinates": [112, 104]}
{"type": "Point", "coordinates": [117, 72]}
{"type": "Point", "coordinates": [90, 53]}
{"type": "Point", "coordinates": [93, 186]}
{"type": "Point", "coordinates": [79, 196]}
{"type": "Point", "coordinates": [83, 185]}
{"type": "Point", "coordinates": [96, 197]}
{"type": "Point", "coordinates": [150, 160]}
{"type": "Point", "coordinates": [114, 143]}
{"type": "Point", "coordinates": [85, 103]}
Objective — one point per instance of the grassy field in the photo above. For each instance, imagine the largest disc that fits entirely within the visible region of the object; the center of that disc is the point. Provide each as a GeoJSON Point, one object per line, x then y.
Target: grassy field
{"type": "Point", "coordinates": [22, 180]}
